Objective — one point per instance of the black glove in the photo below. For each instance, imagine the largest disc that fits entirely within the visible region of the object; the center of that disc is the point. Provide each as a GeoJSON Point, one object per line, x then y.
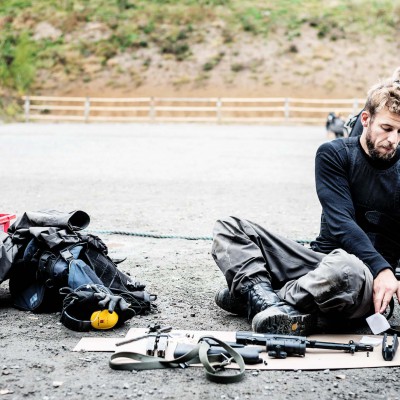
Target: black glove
{"type": "Point", "coordinates": [111, 301]}
{"type": "Point", "coordinates": [79, 304]}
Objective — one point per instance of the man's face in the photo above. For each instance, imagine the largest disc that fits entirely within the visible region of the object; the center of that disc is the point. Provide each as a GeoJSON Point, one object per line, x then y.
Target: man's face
{"type": "Point", "coordinates": [381, 134]}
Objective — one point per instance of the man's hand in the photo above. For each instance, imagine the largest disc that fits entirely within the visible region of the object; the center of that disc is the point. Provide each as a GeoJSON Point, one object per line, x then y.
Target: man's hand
{"type": "Point", "coordinates": [385, 286]}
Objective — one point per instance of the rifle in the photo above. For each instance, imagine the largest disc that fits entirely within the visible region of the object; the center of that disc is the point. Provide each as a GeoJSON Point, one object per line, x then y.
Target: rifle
{"type": "Point", "coordinates": [282, 346]}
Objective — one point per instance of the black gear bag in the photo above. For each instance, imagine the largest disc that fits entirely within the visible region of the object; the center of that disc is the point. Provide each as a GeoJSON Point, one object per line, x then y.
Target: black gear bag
{"type": "Point", "coordinates": [50, 259]}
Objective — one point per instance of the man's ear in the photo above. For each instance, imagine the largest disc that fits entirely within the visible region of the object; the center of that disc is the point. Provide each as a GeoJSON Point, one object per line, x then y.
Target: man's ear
{"type": "Point", "coordinates": [365, 118]}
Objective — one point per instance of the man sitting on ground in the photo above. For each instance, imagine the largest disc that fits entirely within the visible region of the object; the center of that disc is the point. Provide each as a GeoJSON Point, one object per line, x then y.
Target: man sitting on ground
{"type": "Point", "coordinates": [349, 270]}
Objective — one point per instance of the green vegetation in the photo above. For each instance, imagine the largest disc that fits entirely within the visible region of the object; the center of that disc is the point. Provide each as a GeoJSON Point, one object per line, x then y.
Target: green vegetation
{"type": "Point", "coordinates": [17, 65]}
{"type": "Point", "coordinates": [171, 26]}
{"type": "Point", "coordinates": [213, 62]}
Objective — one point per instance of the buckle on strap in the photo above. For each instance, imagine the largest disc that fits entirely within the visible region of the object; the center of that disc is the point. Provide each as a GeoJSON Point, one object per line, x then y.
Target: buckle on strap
{"type": "Point", "coordinates": [227, 361]}
{"type": "Point", "coordinates": [66, 255]}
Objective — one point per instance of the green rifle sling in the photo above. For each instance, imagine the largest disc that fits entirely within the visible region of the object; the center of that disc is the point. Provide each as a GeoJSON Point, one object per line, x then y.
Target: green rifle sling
{"type": "Point", "coordinates": [213, 364]}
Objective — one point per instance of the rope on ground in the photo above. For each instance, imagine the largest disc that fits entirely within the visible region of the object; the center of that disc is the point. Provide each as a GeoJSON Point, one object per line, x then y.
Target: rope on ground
{"type": "Point", "coordinates": [149, 235]}
{"type": "Point", "coordinates": [159, 236]}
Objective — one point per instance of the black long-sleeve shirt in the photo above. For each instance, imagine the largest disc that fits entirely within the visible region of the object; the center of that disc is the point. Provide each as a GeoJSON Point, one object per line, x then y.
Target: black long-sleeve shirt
{"type": "Point", "coordinates": [360, 201]}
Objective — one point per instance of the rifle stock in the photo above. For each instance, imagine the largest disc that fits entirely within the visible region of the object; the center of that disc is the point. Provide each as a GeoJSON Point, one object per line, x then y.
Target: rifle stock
{"type": "Point", "coordinates": [251, 355]}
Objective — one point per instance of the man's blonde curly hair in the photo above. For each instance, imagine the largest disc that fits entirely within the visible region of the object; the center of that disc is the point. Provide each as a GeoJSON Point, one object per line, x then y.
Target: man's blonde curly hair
{"type": "Point", "coordinates": [385, 95]}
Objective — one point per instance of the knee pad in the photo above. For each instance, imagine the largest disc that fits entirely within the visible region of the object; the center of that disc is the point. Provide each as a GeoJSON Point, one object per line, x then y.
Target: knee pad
{"type": "Point", "coordinates": [342, 266]}
{"type": "Point", "coordinates": [354, 278]}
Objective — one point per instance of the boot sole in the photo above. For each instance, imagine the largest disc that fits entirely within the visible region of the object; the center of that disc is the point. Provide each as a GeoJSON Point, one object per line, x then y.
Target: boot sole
{"type": "Point", "coordinates": [299, 325]}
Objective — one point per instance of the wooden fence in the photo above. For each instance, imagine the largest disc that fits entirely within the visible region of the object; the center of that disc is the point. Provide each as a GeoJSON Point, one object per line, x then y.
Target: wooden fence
{"type": "Point", "coordinates": [162, 109]}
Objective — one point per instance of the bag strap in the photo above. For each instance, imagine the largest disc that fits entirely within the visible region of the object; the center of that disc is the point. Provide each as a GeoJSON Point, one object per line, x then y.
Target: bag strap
{"type": "Point", "coordinates": [213, 364]}
{"type": "Point", "coordinates": [350, 123]}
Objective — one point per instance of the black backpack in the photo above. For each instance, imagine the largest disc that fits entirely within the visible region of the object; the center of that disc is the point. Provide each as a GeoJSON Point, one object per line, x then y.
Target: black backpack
{"type": "Point", "coordinates": [39, 273]}
{"type": "Point", "coordinates": [353, 125]}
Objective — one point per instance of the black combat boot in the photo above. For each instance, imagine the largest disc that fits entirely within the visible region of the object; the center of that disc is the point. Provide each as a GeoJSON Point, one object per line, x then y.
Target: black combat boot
{"type": "Point", "coordinates": [284, 319]}
{"type": "Point", "coordinates": [254, 299]}
{"type": "Point", "coordinates": [260, 297]}
{"type": "Point", "coordinates": [229, 303]}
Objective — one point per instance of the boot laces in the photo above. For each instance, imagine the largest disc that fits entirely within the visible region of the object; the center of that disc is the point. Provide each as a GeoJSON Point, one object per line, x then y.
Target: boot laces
{"type": "Point", "coordinates": [259, 299]}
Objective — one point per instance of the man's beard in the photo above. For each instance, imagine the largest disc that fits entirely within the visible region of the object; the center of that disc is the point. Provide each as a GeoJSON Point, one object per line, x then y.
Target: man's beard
{"type": "Point", "coordinates": [373, 151]}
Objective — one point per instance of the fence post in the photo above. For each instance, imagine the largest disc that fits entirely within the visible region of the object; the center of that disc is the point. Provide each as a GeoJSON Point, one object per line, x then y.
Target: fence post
{"type": "Point", "coordinates": [219, 104]}
{"type": "Point", "coordinates": [87, 109]}
{"type": "Point", "coordinates": [152, 110]}
{"type": "Point", "coordinates": [287, 110]}
{"type": "Point", "coordinates": [355, 106]}
{"type": "Point", "coordinates": [27, 108]}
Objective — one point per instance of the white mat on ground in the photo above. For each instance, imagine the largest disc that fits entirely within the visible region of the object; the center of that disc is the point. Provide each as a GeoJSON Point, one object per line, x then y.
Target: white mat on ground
{"type": "Point", "coordinates": [314, 359]}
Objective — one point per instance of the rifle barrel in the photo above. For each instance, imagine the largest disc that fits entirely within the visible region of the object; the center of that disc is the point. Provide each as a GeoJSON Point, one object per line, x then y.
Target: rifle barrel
{"type": "Point", "coordinates": [349, 347]}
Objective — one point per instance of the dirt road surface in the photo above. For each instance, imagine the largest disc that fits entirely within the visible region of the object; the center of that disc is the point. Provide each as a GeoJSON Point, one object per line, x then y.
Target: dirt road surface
{"type": "Point", "coordinates": [172, 180]}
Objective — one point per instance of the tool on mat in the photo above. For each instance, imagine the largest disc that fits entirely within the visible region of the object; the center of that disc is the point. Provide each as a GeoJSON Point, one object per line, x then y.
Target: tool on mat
{"type": "Point", "coordinates": [157, 344]}
{"type": "Point", "coordinates": [389, 351]}
{"type": "Point", "coordinates": [153, 328]}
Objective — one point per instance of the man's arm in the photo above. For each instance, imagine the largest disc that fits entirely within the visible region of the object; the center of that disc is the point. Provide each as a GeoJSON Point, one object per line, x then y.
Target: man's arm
{"type": "Point", "coordinates": [334, 193]}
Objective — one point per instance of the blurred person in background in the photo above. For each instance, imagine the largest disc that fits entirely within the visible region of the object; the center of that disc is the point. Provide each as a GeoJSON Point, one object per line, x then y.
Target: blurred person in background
{"type": "Point", "coordinates": [335, 126]}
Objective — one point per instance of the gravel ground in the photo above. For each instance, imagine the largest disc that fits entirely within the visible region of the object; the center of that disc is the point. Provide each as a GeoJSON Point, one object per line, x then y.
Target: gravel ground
{"type": "Point", "coordinates": [173, 180]}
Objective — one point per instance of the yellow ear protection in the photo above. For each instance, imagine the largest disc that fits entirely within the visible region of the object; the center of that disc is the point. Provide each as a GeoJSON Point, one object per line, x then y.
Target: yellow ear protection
{"type": "Point", "coordinates": [78, 305]}
{"type": "Point", "coordinates": [103, 319]}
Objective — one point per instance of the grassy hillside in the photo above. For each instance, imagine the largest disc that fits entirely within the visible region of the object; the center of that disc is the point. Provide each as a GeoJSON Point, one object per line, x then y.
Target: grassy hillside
{"type": "Point", "coordinates": [114, 47]}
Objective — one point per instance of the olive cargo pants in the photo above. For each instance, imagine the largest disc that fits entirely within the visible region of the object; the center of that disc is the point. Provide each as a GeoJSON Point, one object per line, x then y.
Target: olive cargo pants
{"type": "Point", "coordinates": [334, 283]}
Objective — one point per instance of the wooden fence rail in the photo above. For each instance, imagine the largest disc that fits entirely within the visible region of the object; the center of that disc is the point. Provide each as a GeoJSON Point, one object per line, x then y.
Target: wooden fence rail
{"type": "Point", "coordinates": [165, 109]}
